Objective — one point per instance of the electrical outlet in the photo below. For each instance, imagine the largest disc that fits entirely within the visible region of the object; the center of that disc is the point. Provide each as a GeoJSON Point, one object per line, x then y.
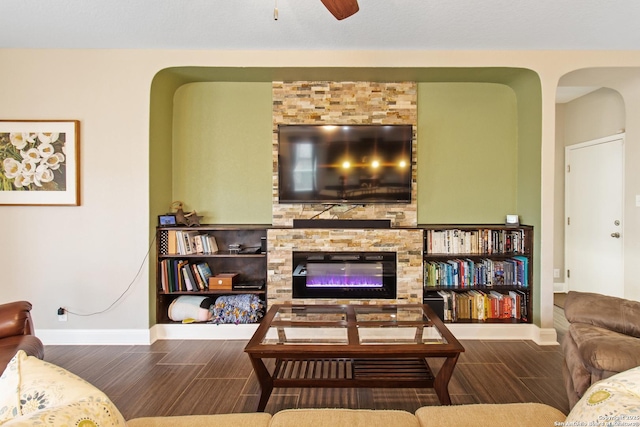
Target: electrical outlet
{"type": "Point", "coordinates": [556, 273]}
{"type": "Point", "coordinates": [62, 315]}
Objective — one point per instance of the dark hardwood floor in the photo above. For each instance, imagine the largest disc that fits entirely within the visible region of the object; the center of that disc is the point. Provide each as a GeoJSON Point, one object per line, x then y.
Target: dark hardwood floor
{"type": "Point", "coordinates": [207, 377]}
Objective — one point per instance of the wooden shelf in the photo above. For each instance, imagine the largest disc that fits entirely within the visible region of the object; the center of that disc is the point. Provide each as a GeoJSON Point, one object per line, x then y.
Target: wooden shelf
{"type": "Point", "coordinates": [216, 255]}
{"type": "Point", "coordinates": [249, 267]}
{"type": "Point", "coordinates": [487, 242]}
{"type": "Point", "coordinates": [216, 292]}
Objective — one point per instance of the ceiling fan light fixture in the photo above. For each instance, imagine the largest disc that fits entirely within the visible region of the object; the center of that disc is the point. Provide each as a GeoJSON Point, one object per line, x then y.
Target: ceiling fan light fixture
{"type": "Point", "coordinates": [341, 9]}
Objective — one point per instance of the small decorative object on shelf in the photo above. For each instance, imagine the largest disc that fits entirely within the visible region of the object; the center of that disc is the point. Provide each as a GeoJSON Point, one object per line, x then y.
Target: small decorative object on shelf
{"type": "Point", "coordinates": [167, 220]}
{"type": "Point", "coordinates": [223, 281]}
{"type": "Point", "coordinates": [512, 221]}
{"type": "Point", "coordinates": [190, 219]}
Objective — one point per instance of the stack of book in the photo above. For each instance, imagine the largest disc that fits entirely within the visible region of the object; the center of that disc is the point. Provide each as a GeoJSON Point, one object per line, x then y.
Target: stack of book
{"type": "Point", "coordinates": [181, 242]}
{"type": "Point", "coordinates": [481, 241]}
{"type": "Point", "coordinates": [467, 273]}
{"type": "Point", "coordinates": [479, 305]}
{"type": "Point", "coordinates": [181, 276]}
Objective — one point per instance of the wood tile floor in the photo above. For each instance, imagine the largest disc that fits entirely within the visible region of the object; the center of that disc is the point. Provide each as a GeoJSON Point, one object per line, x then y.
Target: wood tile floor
{"type": "Point", "coordinates": [207, 377]}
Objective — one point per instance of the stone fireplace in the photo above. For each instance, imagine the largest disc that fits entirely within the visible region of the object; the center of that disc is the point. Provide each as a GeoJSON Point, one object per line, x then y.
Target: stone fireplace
{"type": "Point", "coordinates": [344, 103]}
{"type": "Point", "coordinates": [405, 243]}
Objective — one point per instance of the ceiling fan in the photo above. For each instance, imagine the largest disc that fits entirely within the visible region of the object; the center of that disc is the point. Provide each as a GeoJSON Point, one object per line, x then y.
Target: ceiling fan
{"type": "Point", "coordinates": [341, 8]}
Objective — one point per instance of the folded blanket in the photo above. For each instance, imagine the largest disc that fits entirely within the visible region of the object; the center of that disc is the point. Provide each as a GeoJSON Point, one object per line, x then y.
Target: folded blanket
{"type": "Point", "coordinates": [244, 308]}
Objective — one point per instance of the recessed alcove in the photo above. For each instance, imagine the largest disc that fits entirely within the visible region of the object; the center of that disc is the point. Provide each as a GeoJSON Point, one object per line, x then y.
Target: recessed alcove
{"type": "Point", "coordinates": [478, 141]}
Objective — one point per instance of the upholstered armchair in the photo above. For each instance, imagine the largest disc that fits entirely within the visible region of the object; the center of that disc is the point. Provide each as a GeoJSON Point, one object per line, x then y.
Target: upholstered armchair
{"type": "Point", "coordinates": [17, 333]}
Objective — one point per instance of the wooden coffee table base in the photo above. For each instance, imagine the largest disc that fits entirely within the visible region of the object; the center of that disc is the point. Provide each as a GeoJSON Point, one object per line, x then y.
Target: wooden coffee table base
{"type": "Point", "coordinates": [352, 346]}
{"type": "Point", "coordinates": [356, 373]}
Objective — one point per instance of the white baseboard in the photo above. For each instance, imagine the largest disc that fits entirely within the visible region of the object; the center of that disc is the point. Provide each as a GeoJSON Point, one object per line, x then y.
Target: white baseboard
{"type": "Point", "coordinates": [560, 288]}
{"type": "Point", "coordinates": [202, 332]}
{"type": "Point", "coordinates": [497, 331]}
{"type": "Point", "coordinates": [462, 331]}
{"type": "Point", "coordinates": [94, 336]}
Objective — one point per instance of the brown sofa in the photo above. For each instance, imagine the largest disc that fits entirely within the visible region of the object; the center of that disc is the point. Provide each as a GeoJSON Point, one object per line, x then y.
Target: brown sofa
{"type": "Point", "coordinates": [17, 333]}
{"type": "Point", "coordinates": [602, 340]}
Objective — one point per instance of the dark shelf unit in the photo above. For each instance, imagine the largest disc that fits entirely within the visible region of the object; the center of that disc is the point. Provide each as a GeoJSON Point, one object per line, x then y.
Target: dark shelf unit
{"type": "Point", "coordinates": [477, 256]}
{"type": "Point", "coordinates": [251, 267]}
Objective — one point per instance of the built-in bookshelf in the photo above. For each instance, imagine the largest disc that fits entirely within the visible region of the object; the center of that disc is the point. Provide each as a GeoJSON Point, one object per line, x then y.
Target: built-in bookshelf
{"type": "Point", "coordinates": [232, 255]}
{"type": "Point", "coordinates": [479, 273]}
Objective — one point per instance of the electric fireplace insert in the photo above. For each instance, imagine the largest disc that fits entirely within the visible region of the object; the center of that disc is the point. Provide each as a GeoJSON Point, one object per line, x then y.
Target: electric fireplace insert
{"type": "Point", "coordinates": [351, 275]}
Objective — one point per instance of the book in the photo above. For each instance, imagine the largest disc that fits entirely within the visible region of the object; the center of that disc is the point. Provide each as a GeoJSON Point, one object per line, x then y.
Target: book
{"type": "Point", "coordinates": [196, 275]}
{"type": "Point", "coordinates": [171, 242]}
{"type": "Point", "coordinates": [205, 272]}
{"type": "Point", "coordinates": [164, 276]}
{"type": "Point", "coordinates": [190, 280]}
{"type": "Point", "coordinates": [212, 244]}
{"type": "Point", "coordinates": [198, 244]}
{"type": "Point", "coordinates": [187, 280]}
{"type": "Point", "coordinates": [180, 284]}
{"type": "Point", "coordinates": [524, 302]}
{"type": "Point", "coordinates": [523, 270]}
{"type": "Point", "coordinates": [190, 238]}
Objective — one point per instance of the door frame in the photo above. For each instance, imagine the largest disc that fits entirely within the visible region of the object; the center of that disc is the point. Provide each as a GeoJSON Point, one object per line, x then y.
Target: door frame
{"type": "Point", "coordinates": [598, 141]}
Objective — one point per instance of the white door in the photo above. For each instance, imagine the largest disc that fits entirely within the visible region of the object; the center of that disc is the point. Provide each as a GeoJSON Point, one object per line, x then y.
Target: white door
{"type": "Point", "coordinates": [593, 210]}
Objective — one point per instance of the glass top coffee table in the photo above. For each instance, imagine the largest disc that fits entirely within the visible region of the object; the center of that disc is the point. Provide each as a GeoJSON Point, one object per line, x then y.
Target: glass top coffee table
{"type": "Point", "coordinates": [352, 346]}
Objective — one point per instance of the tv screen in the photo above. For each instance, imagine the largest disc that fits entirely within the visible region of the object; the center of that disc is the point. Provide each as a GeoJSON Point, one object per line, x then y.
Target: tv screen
{"type": "Point", "coordinates": [356, 164]}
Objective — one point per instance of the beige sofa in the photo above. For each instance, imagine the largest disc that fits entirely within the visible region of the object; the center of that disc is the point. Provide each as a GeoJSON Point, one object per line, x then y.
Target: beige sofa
{"type": "Point", "coordinates": [35, 392]}
{"type": "Point", "coordinates": [515, 414]}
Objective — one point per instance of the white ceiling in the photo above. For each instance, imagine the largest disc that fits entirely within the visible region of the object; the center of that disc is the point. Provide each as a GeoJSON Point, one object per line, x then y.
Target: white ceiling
{"type": "Point", "coordinates": [306, 24]}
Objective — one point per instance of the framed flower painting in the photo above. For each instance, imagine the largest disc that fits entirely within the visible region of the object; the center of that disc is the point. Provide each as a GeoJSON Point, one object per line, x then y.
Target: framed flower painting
{"type": "Point", "coordinates": [40, 162]}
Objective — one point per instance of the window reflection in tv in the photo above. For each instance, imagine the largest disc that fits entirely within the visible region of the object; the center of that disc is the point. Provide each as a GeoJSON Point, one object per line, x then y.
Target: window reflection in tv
{"type": "Point", "coordinates": [344, 164]}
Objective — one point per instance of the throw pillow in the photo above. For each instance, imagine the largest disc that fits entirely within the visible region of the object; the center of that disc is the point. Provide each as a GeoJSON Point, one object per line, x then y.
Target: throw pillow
{"type": "Point", "coordinates": [612, 401]}
{"type": "Point", "coordinates": [10, 391]}
{"type": "Point", "coordinates": [48, 395]}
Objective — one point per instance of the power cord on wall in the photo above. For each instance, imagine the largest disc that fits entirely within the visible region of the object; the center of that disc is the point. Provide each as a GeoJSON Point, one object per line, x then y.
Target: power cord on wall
{"type": "Point", "coordinates": [144, 260]}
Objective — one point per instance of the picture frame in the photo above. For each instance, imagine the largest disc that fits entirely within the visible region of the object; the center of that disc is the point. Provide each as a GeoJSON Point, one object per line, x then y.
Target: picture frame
{"type": "Point", "coordinates": [40, 162]}
{"type": "Point", "coordinates": [167, 220]}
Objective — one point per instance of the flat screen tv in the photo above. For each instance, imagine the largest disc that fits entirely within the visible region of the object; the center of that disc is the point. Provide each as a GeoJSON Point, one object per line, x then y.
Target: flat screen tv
{"type": "Point", "coordinates": [355, 164]}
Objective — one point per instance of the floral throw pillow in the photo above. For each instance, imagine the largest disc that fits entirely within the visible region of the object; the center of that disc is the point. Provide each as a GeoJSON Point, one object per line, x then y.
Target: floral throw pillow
{"type": "Point", "coordinates": [10, 392]}
{"type": "Point", "coordinates": [612, 401]}
{"type": "Point", "coordinates": [48, 395]}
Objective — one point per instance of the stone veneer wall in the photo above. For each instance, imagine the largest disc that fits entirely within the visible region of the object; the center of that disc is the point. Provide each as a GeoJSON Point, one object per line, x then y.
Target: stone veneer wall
{"type": "Point", "coordinates": [344, 103]}
{"type": "Point", "coordinates": [407, 243]}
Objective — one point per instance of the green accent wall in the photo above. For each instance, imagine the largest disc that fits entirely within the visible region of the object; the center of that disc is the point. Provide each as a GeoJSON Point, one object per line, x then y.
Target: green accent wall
{"type": "Point", "coordinates": [529, 199]}
{"type": "Point", "coordinates": [467, 153]}
{"type": "Point", "coordinates": [163, 88]}
{"type": "Point", "coordinates": [479, 144]}
{"type": "Point", "coordinates": [222, 151]}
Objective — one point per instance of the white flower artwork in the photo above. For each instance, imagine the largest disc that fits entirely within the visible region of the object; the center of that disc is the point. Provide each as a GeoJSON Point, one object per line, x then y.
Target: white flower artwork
{"type": "Point", "coordinates": [39, 162]}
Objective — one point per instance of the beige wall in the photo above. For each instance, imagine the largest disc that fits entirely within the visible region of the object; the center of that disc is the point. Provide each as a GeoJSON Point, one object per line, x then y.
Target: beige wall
{"type": "Point", "coordinates": [600, 113]}
{"type": "Point", "coordinates": [84, 258]}
{"type": "Point", "coordinates": [595, 115]}
{"type": "Point", "coordinates": [558, 214]}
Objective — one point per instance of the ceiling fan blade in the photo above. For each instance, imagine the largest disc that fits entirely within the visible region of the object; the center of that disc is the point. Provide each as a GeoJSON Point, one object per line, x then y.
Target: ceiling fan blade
{"type": "Point", "coordinates": [341, 8]}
